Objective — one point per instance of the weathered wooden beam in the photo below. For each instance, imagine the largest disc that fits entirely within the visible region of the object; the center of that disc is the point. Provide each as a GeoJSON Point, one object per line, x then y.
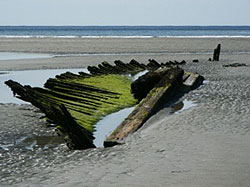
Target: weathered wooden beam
{"type": "Point", "coordinates": [191, 81]}
{"type": "Point", "coordinates": [123, 65]}
{"type": "Point", "coordinates": [95, 70]}
{"type": "Point", "coordinates": [76, 136]}
{"type": "Point", "coordinates": [18, 89]}
{"type": "Point", "coordinates": [144, 84]}
{"type": "Point", "coordinates": [153, 64]}
{"type": "Point", "coordinates": [161, 93]}
{"type": "Point", "coordinates": [137, 65]}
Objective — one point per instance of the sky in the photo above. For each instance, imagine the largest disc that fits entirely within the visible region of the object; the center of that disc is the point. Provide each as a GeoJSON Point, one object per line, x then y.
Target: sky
{"type": "Point", "coordinates": [124, 12]}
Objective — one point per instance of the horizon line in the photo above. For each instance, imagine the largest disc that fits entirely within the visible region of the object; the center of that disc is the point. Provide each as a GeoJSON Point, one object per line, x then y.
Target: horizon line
{"type": "Point", "coordinates": [124, 25]}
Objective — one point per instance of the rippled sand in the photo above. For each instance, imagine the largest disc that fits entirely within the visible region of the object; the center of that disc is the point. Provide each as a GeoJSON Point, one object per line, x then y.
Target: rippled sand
{"type": "Point", "coordinates": [205, 145]}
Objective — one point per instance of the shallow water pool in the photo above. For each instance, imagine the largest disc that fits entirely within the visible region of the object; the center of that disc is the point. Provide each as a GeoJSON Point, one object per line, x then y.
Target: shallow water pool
{"type": "Point", "coordinates": [35, 78]}
{"type": "Point", "coordinates": [108, 124]}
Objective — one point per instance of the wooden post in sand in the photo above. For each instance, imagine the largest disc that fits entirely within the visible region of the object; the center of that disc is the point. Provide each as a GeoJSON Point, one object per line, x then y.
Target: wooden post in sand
{"type": "Point", "coordinates": [216, 56]}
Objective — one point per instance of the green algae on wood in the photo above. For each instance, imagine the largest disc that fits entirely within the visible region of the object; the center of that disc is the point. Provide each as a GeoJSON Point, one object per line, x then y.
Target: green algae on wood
{"type": "Point", "coordinates": [108, 93]}
{"type": "Point", "coordinates": [75, 135]}
{"type": "Point", "coordinates": [86, 98]}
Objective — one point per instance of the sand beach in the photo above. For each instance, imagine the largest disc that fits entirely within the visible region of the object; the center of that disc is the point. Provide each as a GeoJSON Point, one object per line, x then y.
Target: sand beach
{"type": "Point", "coordinates": [207, 144]}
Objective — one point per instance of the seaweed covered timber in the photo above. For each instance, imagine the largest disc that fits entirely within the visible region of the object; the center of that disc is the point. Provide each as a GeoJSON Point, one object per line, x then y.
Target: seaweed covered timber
{"type": "Point", "coordinates": [76, 102]}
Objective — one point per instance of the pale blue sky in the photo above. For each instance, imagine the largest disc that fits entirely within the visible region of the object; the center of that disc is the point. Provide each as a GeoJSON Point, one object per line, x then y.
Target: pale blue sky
{"type": "Point", "coordinates": [124, 12]}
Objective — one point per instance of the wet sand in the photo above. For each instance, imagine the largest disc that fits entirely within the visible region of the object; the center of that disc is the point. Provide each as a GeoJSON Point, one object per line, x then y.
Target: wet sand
{"type": "Point", "coordinates": [162, 49]}
{"type": "Point", "coordinates": [205, 145]}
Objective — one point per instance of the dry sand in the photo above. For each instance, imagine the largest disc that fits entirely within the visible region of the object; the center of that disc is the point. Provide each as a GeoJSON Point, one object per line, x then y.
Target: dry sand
{"type": "Point", "coordinates": [206, 145]}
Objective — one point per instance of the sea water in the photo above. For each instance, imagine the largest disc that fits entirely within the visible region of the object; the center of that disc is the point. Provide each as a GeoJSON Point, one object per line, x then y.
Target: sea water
{"type": "Point", "coordinates": [124, 31]}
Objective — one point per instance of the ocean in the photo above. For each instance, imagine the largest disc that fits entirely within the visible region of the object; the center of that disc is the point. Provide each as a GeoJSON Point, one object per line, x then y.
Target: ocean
{"type": "Point", "coordinates": [124, 31]}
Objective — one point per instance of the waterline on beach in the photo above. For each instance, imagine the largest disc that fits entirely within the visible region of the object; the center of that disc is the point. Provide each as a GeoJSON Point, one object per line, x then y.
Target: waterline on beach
{"type": "Point", "coordinates": [125, 37]}
{"type": "Point", "coordinates": [20, 55]}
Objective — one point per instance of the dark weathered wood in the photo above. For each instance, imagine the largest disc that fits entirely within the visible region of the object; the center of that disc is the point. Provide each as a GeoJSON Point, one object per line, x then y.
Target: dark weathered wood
{"type": "Point", "coordinates": [216, 56]}
{"type": "Point", "coordinates": [235, 65]}
{"type": "Point", "coordinates": [95, 70]}
{"type": "Point", "coordinates": [153, 64]}
{"type": "Point", "coordinates": [76, 136]}
{"type": "Point", "coordinates": [123, 65]}
{"type": "Point", "coordinates": [144, 84]}
{"type": "Point", "coordinates": [67, 75]}
{"type": "Point", "coordinates": [218, 52]}
{"type": "Point", "coordinates": [132, 67]}
{"type": "Point", "coordinates": [137, 65]}
{"type": "Point", "coordinates": [21, 91]}
{"type": "Point", "coordinates": [191, 81]}
{"type": "Point", "coordinates": [183, 62]}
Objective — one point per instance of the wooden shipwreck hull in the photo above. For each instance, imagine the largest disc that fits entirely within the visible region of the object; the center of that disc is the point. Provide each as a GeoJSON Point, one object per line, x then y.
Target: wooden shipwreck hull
{"type": "Point", "coordinates": [75, 103]}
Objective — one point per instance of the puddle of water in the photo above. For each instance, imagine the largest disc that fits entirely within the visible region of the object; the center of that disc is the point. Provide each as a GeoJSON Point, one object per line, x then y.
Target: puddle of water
{"type": "Point", "coordinates": [206, 82]}
{"type": "Point", "coordinates": [108, 124]}
{"type": "Point", "coordinates": [181, 106]}
{"type": "Point", "coordinates": [17, 56]}
{"type": "Point", "coordinates": [30, 142]}
{"type": "Point", "coordinates": [35, 78]}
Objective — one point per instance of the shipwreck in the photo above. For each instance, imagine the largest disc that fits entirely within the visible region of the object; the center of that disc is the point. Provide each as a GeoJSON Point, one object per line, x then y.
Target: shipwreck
{"type": "Point", "coordinates": [76, 102]}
